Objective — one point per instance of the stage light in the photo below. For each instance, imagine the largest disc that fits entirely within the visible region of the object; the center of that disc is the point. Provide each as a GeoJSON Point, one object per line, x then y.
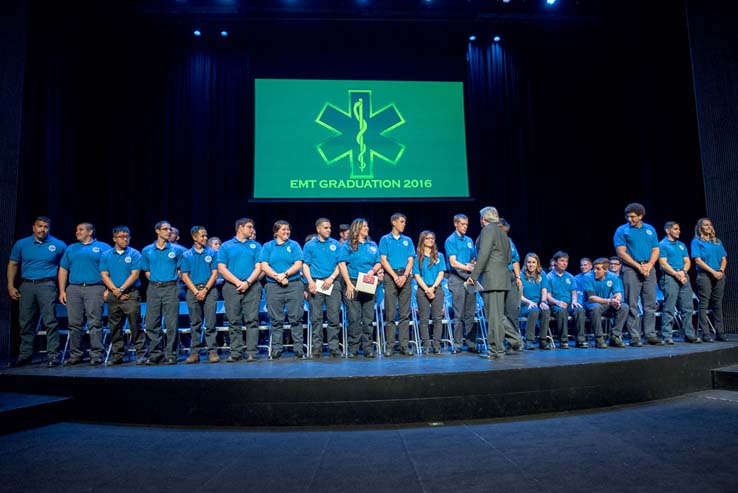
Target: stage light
{"type": "Point", "coordinates": [497, 39]}
{"type": "Point", "coordinates": [472, 38]}
{"type": "Point", "coordinates": [224, 33]}
{"type": "Point", "coordinates": [550, 2]}
{"type": "Point", "coordinates": [197, 32]}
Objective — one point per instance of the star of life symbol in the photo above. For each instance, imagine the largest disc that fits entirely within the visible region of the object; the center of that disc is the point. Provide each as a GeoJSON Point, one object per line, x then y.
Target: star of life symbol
{"type": "Point", "coordinates": [360, 134]}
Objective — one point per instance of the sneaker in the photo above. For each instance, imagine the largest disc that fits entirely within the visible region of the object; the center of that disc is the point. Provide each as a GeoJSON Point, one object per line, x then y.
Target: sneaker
{"type": "Point", "coordinates": [172, 360]}
{"type": "Point", "coordinates": [653, 341]}
{"type": "Point", "coordinates": [721, 338]}
{"type": "Point", "coordinates": [636, 343]}
{"type": "Point", "coordinates": [669, 342]}
{"type": "Point", "coordinates": [693, 340]}
{"type": "Point", "coordinates": [616, 341]}
{"type": "Point", "coordinates": [600, 343]}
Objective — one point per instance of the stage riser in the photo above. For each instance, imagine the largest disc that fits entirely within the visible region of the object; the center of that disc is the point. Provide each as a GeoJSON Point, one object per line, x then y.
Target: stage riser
{"type": "Point", "coordinates": [380, 399]}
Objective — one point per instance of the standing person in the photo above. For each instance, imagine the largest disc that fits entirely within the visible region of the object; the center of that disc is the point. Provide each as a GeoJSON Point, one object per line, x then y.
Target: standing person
{"type": "Point", "coordinates": [637, 246]}
{"type": "Point", "coordinates": [320, 263]}
{"type": "Point", "coordinates": [711, 259]}
{"type": "Point", "coordinates": [462, 255]}
{"type": "Point", "coordinates": [238, 263]}
{"type": "Point", "coordinates": [397, 253]}
{"type": "Point", "coordinates": [512, 300]}
{"type": "Point", "coordinates": [120, 268]}
{"type": "Point", "coordinates": [359, 254]}
{"type": "Point", "coordinates": [80, 265]}
{"type": "Point", "coordinates": [281, 260]}
{"type": "Point", "coordinates": [161, 261]}
{"type": "Point", "coordinates": [533, 303]}
{"type": "Point", "coordinates": [429, 270]}
{"type": "Point", "coordinates": [493, 256]}
{"type": "Point", "coordinates": [214, 242]}
{"type": "Point", "coordinates": [565, 301]}
{"type": "Point", "coordinates": [199, 269]}
{"type": "Point", "coordinates": [675, 263]}
{"type": "Point", "coordinates": [38, 256]}
{"type": "Point", "coordinates": [604, 291]}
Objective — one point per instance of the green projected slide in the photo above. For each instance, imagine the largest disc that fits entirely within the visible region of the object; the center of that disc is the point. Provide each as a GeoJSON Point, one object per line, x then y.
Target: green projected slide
{"type": "Point", "coordinates": [342, 139]}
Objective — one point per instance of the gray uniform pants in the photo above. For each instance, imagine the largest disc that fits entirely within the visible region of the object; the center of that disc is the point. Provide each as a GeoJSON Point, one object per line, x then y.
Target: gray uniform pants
{"type": "Point", "coordinates": [676, 295]}
{"type": "Point", "coordinates": [242, 311]}
{"type": "Point", "coordinates": [710, 294]}
{"type": "Point", "coordinates": [332, 314]}
{"type": "Point", "coordinates": [360, 315]}
{"type": "Point", "coordinates": [198, 310]}
{"type": "Point", "coordinates": [430, 309]}
{"type": "Point", "coordinates": [85, 302]}
{"type": "Point", "coordinates": [38, 297]}
{"type": "Point", "coordinates": [290, 299]}
{"type": "Point", "coordinates": [636, 286]}
{"type": "Point", "coordinates": [598, 310]}
{"type": "Point", "coordinates": [118, 312]}
{"type": "Point", "coordinates": [392, 296]}
{"type": "Point", "coordinates": [162, 301]}
{"type": "Point", "coordinates": [464, 304]}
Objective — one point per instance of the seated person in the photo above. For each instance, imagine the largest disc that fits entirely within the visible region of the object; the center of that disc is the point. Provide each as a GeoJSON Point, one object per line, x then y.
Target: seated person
{"type": "Point", "coordinates": [533, 301]}
{"type": "Point", "coordinates": [564, 301]}
{"type": "Point", "coordinates": [604, 291]}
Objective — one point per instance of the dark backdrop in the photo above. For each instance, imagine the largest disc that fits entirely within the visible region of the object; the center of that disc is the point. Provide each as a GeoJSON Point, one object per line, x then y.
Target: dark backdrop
{"type": "Point", "coordinates": [131, 120]}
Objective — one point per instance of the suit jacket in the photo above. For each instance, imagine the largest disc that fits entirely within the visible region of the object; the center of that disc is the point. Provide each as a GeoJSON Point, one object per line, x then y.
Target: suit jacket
{"type": "Point", "coordinates": [493, 256]}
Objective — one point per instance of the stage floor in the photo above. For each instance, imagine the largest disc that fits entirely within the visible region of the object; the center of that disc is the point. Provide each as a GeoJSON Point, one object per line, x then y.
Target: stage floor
{"type": "Point", "coordinates": [400, 389]}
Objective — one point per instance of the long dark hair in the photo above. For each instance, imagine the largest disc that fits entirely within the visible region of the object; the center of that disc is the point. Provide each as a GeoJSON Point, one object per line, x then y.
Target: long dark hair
{"type": "Point", "coordinates": [421, 250]}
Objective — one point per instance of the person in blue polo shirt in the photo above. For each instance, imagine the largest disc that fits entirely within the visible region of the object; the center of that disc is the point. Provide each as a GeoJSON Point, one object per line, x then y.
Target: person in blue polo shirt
{"type": "Point", "coordinates": [80, 265]}
{"type": "Point", "coordinates": [675, 263]}
{"type": "Point", "coordinates": [320, 265]}
{"type": "Point", "coordinates": [429, 270]}
{"type": "Point", "coordinates": [281, 261]}
{"type": "Point", "coordinates": [161, 263]}
{"type": "Point", "coordinates": [604, 292]}
{"type": "Point", "coordinates": [637, 246]}
{"type": "Point", "coordinates": [120, 268]}
{"type": "Point", "coordinates": [397, 254]}
{"type": "Point", "coordinates": [38, 257]}
{"type": "Point", "coordinates": [199, 272]}
{"type": "Point", "coordinates": [238, 263]}
{"type": "Point", "coordinates": [564, 301]}
{"type": "Point", "coordinates": [711, 260]}
{"type": "Point", "coordinates": [533, 302]}
{"type": "Point", "coordinates": [461, 255]}
{"type": "Point", "coordinates": [359, 254]}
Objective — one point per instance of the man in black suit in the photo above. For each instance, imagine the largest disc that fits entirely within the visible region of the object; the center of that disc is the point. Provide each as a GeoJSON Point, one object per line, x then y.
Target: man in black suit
{"type": "Point", "coordinates": [493, 256]}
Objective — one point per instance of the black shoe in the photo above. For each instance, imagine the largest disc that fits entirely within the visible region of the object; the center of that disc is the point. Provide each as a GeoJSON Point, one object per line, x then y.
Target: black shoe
{"type": "Point", "coordinates": [708, 339]}
{"type": "Point", "coordinates": [564, 345]}
{"type": "Point", "coordinates": [407, 352]}
{"type": "Point", "coordinates": [472, 349]}
{"type": "Point", "coordinates": [170, 361]}
{"type": "Point", "coordinates": [456, 350]}
{"type": "Point", "coordinates": [544, 345]}
{"type": "Point", "coordinates": [616, 341]}
{"type": "Point", "coordinates": [636, 343]}
{"type": "Point", "coordinates": [654, 341]}
{"type": "Point", "coordinates": [721, 338]}
{"type": "Point", "coordinates": [352, 355]}
{"type": "Point", "coordinates": [19, 362]}
{"type": "Point", "coordinates": [141, 361]}
{"type": "Point", "coordinates": [233, 359]}
{"type": "Point", "coordinates": [153, 361]}
{"type": "Point", "coordinates": [388, 354]}
{"type": "Point", "coordinates": [669, 342]}
{"type": "Point", "coordinates": [436, 350]}
{"type": "Point", "coordinates": [582, 344]}
{"type": "Point", "coordinates": [692, 340]}
{"type": "Point", "coordinates": [370, 354]}
{"type": "Point", "coordinates": [299, 355]}
{"type": "Point", "coordinates": [530, 345]}
{"type": "Point", "coordinates": [114, 361]}
{"type": "Point", "coordinates": [96, 362]}
{"type": "Point", "coordinates": [335, 353]}
{"type": "Point", "coordinates": [276, 354]}
{"type": "Point", "coordinates": [250, 358]}
{"type": "Point", "coordinates": [73, 361]}
{"type": "Point", "coordinates": [317, 355]}
{"type": "Point", "coordinates": [53, 363]}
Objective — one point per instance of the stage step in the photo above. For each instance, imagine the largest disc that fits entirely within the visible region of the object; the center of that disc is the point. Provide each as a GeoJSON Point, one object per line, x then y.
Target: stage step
{"type": "Point", "coordinates": [22, 411]}
{"type": "Point", "coordinates": [726, 378]}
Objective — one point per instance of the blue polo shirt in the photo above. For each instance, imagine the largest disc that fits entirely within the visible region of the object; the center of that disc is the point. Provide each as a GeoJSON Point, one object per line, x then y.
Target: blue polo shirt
{"type": "Point", "coordinates": [607, 287]}
{"type": "Point", "coordinates": [119, 265]}
{"type": "Point", "coordinates": [515, 255]}
{"type": "Point", "coordinates": [562, 286]}
{"type": "Point", "coordinates": [397, 250]}
{"type": "Point", "coordinates": [38, 259]}
{"type": "Point", "coordinates": [532, 289]}
{"type": "Point", "coordinates": [83, 262]}
{"type": "Point", "coordinates": [638, 241]}
{"type": "Point", "coordinates": [281, 257]}
{"type": "Point", "coordinates": [162, 263]}
{"type": "Point", "coordinates": [711, 253]}
{"type": "Point", "coordinates": [461, 246]}
{"type": "Point", "coordinates": [674, 253]}
{"type": "Point", "coordinates": [239, 257]}
{"type": "Point", "coordinates": [363, 259]}
{"type": "Point", "coordinates": [321, 256]}
{"type": "Point", "coordinates": [199, 265]}
{"type": "Point", "coordinates": [428, 272]}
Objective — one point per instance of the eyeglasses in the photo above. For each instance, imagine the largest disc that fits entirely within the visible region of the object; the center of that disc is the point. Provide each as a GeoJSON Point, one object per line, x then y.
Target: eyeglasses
{"type": "Point", "coordinates": [122, 236]}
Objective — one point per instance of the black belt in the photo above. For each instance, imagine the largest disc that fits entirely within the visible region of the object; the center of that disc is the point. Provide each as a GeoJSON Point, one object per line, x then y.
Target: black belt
{"type": "Point", "coordinates": [38, 281]}
{"type": "Point", "coordinates": [201, 286]}
{"type": "Point", "coordinates": [85, 284]}
{"type": "Point", "coordinates": [399, 271]}
{"type": "Point", "coordinates": [162, 284]}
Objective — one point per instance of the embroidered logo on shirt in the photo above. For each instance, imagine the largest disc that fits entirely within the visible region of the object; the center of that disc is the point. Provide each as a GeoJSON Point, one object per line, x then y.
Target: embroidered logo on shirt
{"type": "Point", "coordinates": [127, 260]}
{"type": "Point", "coordinates": [208, 258]}
{"type": "Point", "coordinates": [96, 249]}
{"type": "Point", "coordinates": [52, 248]}
{"type": "Point", "coordinates": [373, 249]}
{"type": "Point", "coordinates": [609, 284]}
{"type": "Point", "coordinates": [469, 245]}
{"type": "Point", "coordinates": [681, 247]}
{"type": "Point", "coordinates": [289, 249]}
{"type": "Point", "coordinates": [404, 242]}
{"type": "Point", "coordinates": [252, 246]}
{"type": "Point", "coordinates": [171, 255]}
{"type": "Point", "coordinates": [568, 281]}
{"type": "Point", "coordinates": [648, 232]}
{"type": "Point", "coordinates": [332, 248]}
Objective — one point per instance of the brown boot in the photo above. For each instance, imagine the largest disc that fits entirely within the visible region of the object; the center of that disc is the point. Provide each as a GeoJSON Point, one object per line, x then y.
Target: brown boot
{"type": "Point", "coordinates": [213, 357]}
{"type": "Point", "coordinates": [193, 358]}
